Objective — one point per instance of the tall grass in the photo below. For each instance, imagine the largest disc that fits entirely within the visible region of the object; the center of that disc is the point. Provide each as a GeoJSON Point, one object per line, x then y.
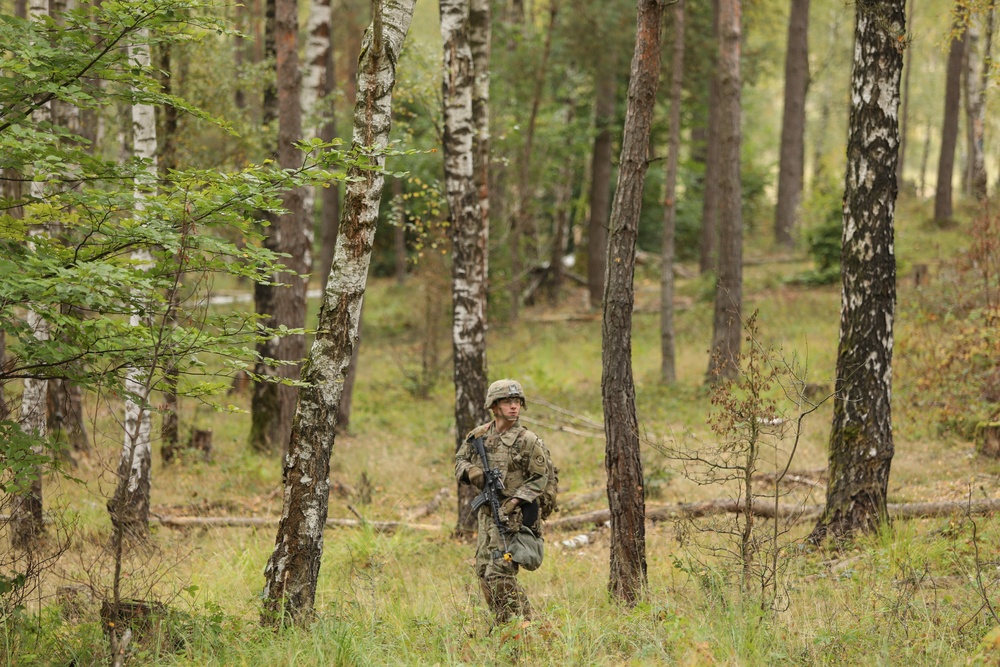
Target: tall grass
{"type": "Point", "coordinates": [908, 595]}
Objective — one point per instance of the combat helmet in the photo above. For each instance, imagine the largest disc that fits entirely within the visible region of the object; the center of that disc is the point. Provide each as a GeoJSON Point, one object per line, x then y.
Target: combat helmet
{"type": "Point", "coordinates": [504, 389]}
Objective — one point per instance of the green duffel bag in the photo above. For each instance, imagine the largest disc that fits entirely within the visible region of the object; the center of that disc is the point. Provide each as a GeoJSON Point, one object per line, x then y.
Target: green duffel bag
{"type": "Point", "coordinates": [526, 548]}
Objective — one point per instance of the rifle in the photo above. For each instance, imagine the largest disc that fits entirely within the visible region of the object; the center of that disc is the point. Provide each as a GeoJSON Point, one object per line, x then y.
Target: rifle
{"type": "Point", "coordinates": [493, 485]}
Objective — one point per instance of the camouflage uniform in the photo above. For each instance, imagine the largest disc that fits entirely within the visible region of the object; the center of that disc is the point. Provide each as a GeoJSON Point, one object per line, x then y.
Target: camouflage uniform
{"type": "Point", "coordinates": [517, 453]}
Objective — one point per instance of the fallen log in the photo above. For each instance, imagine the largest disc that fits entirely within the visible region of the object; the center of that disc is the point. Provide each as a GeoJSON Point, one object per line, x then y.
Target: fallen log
{"type": "Point", "coordinates": [255, 521]}
{"type": "Point", "coordinates": [782, 510]}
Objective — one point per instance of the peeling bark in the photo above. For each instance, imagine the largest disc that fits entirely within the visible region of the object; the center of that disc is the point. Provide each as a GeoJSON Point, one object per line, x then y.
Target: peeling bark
{"type": "Point", "coordinates": [293, 568]}
{"type": "Point", "coordinates": [861, 445]}
{"type": "Point", "coordinates": [469, 235]}
{"type": "Point", "coordinates": [627, 579]}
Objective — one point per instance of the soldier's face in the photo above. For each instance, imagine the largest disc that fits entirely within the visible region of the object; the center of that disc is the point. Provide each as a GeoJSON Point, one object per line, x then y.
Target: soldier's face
{"type": "Point", "coordinates": [508, 408]}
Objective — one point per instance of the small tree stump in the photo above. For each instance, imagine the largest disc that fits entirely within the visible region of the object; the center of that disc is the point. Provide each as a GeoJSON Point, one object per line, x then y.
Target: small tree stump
{"type": "Point", "coordinates": [144, 618]}
{"type": "Point", "coordinates": [201, 441]}
{"type": "Point", "coordinates": [921, 275]}
{"type": "Point", "coordinates": [988, 439]}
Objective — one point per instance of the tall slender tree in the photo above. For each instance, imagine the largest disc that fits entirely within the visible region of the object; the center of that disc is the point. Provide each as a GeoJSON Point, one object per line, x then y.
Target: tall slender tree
{"type": "Point", "coordinates": [727, 325]}
{"type": "Point", "coordinates": [624, 465]}
{"type": "Point", "coordinates": [861, 444]}
{"type": "Point", "coordinates": [710, 195]}
{"type": "Point", "coordinates": [26, 510]}
{"type": "Point", "coordinates": [949, 125]}
{"type": "Point", "coordinates": [469, 234]}
{"type": "Point", "coordinates": [284, 302]}
{"type": "Point", "coordinates": [129, 507]}
{"type": "Point", "coordinates": [793, 124]}
{"type": "Point", "coordinates": [668, 370]}
{"type": "Point", "coordinates": [293, 568]}
{"type": "Point", "coordinates": [600, 180]}
{"type": "Point", "coordinates": [904, 118]}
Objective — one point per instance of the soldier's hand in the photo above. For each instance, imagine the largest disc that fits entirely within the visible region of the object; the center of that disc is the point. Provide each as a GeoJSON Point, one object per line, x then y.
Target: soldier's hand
{"type": "Point", "coordinates": [512, 514]}
{"type": "Point", "coordinates": [476, 477]}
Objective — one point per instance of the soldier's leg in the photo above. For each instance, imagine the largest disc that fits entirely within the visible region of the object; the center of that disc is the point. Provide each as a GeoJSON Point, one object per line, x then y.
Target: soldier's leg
{"type": "Point", "coordinates": [506, 598]}
{"type": "Point", "coordinates": [483, 558]}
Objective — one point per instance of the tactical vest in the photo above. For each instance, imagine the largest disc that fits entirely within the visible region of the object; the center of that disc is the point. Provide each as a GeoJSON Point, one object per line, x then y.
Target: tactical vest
{"type": "Point", "coordinates": [513, 475]}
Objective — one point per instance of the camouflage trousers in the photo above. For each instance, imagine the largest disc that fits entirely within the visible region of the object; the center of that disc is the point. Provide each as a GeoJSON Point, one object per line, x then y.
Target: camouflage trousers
{"type": "Point", "coordinates": [497, 577]}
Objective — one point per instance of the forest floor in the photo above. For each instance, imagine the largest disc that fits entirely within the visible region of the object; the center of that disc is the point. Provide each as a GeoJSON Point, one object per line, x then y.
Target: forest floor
{"type": "Point", "coordinates": [921, 591]}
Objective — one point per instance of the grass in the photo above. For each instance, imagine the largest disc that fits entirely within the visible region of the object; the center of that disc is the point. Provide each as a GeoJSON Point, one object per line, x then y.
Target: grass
{"type": "Point", "coordinates": [908, 595]}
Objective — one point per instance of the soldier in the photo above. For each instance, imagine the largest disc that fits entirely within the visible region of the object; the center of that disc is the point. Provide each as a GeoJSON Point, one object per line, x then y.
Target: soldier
{"type": "Point", "coordinates": [521, 459]}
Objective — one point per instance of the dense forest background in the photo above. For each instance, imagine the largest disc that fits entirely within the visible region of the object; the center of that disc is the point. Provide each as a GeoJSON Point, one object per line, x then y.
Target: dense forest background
{"type": "Point", "coordinates": [198, 198]}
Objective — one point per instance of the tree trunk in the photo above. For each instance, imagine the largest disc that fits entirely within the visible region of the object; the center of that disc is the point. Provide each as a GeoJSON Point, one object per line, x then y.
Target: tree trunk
{"type": "Point", "coordinates": [166, 161]}
{"type": "Point", "coordinates": [480, 34]}
{"type": "Point", "coordinates": [469, 237]}
{"type": "Point", "coordinates": [625, 481]}
{"type": "Point", "coordinates": [861, 446]}
{"type": "Point", "coordinates": [26, 523]}
{"type": "Point", "coordinates": [66, 414]}
{"type": "Point", "coordinates": [668, 370]}
{"type": "Point", "coordinates": [293, 568]}
{"type": "Point", "coordinates": [904, 120]}
{"type": "Point", "coordinates": [793, 124]}
{"type": "Point", "coordinates": [129, 507]}
{"type": "Point", "coordinates": [727, 324]}
{"type": "Point", "coordinates": [524, 231]}
{"type": "Point", "coordinates": [269, 105]}
{"type": "Point", "coordinates": [710, 202]}
{"type": "Point", "coordinates": [949, 131]}
{"type": "Point", "coordinates": [330, 197]}
{"type": "Point", "coordinates": [273, 404]}
{"type": "Point", "coordinates": [600, 182]}
{"type": "Point", "coordinates": [977, 79]}
{"type": "Point", "coordinates": [317, 52]}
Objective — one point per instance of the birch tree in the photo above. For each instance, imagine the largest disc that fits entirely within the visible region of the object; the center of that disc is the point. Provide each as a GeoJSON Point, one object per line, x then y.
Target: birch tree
{"type": "Point", "coordinates": [726, 324]}
{"type": "Point", "coordinates": [284, 302]}
{"type": "Point", "coordinates": [315, 73]}
{"type": "Point", "coordinates": [627, 578]}
{"type": "Point", "coordinates": [668, 370]}
{"type": "Point", "coordinates": [129, 507]}
{"type": "Point", "coordinates": [293, 567]}
{"type": "Point", "coordinates": [861, 445]}
{"type": "Point", "coordinates": [26, 510]}
{"type": "Point", "coordinates": [469, 234]}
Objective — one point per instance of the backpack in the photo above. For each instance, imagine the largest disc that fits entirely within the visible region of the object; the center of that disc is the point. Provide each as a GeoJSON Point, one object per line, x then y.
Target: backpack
{"type": "Point", "coordinates": [547, 503]}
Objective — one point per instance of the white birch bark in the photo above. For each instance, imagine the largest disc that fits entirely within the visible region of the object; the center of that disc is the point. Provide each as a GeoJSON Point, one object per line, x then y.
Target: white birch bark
{"type": "Point", "coordinates": [318, 43]}
{"type": "Point", "coordinates": [26, 509]}
{"type": "Point", "coordinates": [469, 234]}
{"type": "Point", "coordinates": [293, 568]}
{"type": "Point", "coordinates": [975, 177]}
{"type": "Point", "coordinates": [130, 506]}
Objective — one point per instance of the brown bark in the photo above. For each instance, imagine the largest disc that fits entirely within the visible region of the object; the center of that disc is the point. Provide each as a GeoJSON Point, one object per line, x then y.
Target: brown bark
{"type": "Point", "coordinates": [668, 370]}
{"type": "Point", "coordinates": [600, 183]}
{"type": "Point", "coordinates": [66, 414]}
{"type": "Point", "coordinates": [793, 124]}
{"type": "Point", "coordinates": [861, 445]}
{"type": "Point", "coordinates": [727, 324]}
{"type": "Point", "coordinates": [627, 579]}
{"type": "Point", "coordinates": [949, 131]}
{"type": "Point", "coordinates": [273, 404]}
{"type": "Point", "coordinates": [293, 568]}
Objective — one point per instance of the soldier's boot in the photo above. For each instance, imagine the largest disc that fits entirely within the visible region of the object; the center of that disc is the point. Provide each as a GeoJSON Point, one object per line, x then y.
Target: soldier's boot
{"type": "Point", "coordinates": [510, 599]}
